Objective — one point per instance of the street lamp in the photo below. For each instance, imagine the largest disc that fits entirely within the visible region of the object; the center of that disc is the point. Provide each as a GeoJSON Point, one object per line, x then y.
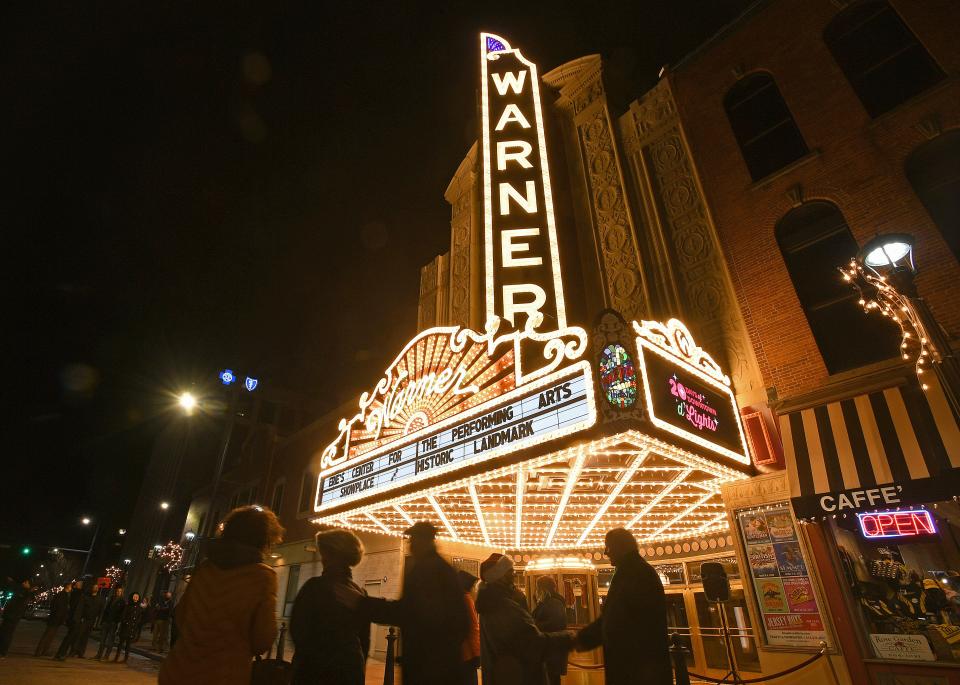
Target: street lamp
{"type": "Point", "coordinates": [883, 272]}
{"type": "Point", "coordinates": [164, 505]}
{"type": "Point", "coordinates": [86, 562]}
{"type": "Point", "coordinates": [187, 402]}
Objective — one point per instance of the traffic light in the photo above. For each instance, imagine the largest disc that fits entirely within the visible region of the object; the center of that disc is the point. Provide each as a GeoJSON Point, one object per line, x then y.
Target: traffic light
{"type": "Point", "coordinates": [26, 551]}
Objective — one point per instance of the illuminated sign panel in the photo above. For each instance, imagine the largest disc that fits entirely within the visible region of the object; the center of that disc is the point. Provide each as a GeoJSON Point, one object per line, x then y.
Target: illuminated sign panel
{"type": "Point", "coordinates": [542, 411]}
{"type": "Point", "coordinates": [687, 394]}
{"type": "Point", "coordinates": [897, 524]}
{"type": "Point", "coordinates": [522, 259]}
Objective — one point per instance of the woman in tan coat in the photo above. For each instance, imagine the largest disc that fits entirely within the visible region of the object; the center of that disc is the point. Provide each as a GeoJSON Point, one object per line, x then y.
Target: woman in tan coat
{"type": "Point", "coordinates": [227, 615]}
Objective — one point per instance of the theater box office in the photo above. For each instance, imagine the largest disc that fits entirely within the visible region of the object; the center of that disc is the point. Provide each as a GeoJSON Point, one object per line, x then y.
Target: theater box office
{"type": "Point", "coordinates": [550, 421]}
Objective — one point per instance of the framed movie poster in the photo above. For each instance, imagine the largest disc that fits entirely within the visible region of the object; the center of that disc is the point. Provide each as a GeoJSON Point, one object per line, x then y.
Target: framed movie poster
{"type": "Point", "coordinates": [781, 580]}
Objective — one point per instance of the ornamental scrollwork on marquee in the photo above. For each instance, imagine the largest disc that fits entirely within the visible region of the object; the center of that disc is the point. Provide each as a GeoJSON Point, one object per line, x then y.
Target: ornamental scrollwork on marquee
{"type": "Point", "coordinates": [444, 371]}
{"type": "Point", "coordinates": [675, 339]}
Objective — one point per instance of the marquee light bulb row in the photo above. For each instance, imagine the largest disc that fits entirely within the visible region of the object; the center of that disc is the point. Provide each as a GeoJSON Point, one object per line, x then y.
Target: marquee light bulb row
{"type": "Point", "coordinates": [501, 508]}
{"type": "Point", "coordinates": [878, 296]}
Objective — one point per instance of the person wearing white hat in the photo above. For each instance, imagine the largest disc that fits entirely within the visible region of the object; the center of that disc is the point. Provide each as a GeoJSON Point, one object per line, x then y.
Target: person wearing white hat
{"type": "Point", "coordinates": [513, 651]}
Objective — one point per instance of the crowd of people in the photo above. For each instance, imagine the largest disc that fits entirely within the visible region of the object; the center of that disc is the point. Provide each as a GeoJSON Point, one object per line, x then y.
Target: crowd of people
{"type": "Point", "coordinates": [451, 622]}
{"type": "Point", "coordinates": [80, 607]}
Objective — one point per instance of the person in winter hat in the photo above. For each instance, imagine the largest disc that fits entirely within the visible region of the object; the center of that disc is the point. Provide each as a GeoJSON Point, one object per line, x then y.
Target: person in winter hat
{"type": "Point", "coordinates": [513, 650]}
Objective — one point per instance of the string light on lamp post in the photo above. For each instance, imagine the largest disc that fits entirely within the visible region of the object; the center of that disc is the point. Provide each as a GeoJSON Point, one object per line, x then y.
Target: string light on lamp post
{"type": "Point", "coordinates": [883, 275]}
{"type": "Point", "coordinates": [171, 555]}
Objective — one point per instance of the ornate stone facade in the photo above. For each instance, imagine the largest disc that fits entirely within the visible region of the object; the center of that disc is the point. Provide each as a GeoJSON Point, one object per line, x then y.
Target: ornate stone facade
{"type": "Point", "coordinates": [461, 194]}
{"type": "Point", "coordinates": [699, 286]}
{"type": "Point", "coordinates": [582, 97]}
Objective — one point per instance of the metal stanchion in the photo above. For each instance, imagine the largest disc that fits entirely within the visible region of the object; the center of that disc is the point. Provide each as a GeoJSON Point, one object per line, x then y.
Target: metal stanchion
{"type": "Point", "coordinates": [281, 642]}
{"type": "Point", "coordinates": [678, 653]}
{"type": "Point", "coordinates": [388, 665]}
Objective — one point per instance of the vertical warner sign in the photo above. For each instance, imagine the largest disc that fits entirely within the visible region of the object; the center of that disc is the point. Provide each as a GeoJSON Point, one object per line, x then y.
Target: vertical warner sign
{"type": "Point", "coordinates": [520, 235]}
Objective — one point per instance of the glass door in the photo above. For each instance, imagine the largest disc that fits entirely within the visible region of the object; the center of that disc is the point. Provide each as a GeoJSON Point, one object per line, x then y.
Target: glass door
{"type": "Point", "coordinates": [741, 632]}
{"type": "Point", "coordinates": [677, 622]}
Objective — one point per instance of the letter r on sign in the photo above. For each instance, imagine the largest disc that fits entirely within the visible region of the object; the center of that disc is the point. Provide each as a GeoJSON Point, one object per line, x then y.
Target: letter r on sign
{"type": "Point", "coordinates": [532, 309]}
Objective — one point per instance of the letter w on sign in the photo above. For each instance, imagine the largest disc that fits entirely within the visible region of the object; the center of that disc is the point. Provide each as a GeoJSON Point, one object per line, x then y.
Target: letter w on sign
{"type": "Point", "coordinates": [522, 262]}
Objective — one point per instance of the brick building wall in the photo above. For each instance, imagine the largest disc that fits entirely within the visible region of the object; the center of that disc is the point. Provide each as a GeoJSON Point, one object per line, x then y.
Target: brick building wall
{"type": "Point", "coordinates": [855, 162]}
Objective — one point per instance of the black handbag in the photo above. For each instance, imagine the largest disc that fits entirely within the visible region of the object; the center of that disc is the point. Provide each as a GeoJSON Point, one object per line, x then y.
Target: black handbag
{"type": "Point", "coordinates": [272, 671]}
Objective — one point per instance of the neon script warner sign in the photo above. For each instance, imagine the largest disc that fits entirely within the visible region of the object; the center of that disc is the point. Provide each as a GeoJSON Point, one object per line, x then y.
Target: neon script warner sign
{"type": "Point", "coordinates": [522, 258]}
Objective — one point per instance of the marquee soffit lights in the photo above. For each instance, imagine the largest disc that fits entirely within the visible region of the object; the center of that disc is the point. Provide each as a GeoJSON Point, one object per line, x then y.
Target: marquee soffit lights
{"type": "Point", "coordinates": [481, 509]}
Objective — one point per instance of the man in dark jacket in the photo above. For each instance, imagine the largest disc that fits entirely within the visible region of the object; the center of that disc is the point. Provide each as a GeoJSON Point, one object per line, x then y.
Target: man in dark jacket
{"type": "Point", "coordinates": [89, 613]}
{"type": "Point", "coordinates": [111, 623]}
{"type": "Point", "coordinates": [59, 608]}
{"type": "Point", "coordinates": [633, 626]}
{"type": "Point", "coordinates": [513, 651]}
{"type": "Point", "coordinates": [161, 622]}
{"type": "Point", "coordinates": [550, 615]}
{"type": "Point", "coordinates": [13, 611]}
{"type": "Point", "coordinates": [431, 613]}
{"type": "Point", "coordinates": [74, 621]}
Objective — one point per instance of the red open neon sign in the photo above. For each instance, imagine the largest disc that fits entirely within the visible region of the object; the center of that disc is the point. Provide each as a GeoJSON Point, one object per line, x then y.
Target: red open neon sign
{"type": "Point", "coordinates": [897, 524]}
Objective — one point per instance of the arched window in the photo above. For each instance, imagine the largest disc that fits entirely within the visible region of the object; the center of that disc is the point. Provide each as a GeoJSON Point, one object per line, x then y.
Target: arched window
{"type": "Point", "coordinates": [814, 240]}
{"type": "Point", "coordinates": [880, 56]}
{"type": "Point", "coordinates": [765, 130]}
{"type": "Point", "coordinates": [934, 171]}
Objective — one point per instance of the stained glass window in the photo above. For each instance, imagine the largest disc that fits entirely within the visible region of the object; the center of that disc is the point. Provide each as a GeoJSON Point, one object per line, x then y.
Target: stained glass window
{"type": "Point", "coordinates": [618, 377]}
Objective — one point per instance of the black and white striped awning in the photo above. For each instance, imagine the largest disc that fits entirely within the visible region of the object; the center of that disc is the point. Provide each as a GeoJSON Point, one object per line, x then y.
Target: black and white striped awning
{"type": "Point", "coordinates": [898, 445]}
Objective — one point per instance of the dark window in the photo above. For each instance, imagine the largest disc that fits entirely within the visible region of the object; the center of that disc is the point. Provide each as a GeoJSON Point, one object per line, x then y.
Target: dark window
{"type": "Point", "coordinates": [293, 586]}
{"type": "Point", "coordinates": [815, 240]}
{"type": "Point", "coordinates": [306, 491]}
{"type": "Point", "coordinates": [880, 56]}
{"type": "Point", "coordinates": [934, 171]}
{"type": "Point", "coordinates": [277, 500]}
{"type": "Point", "coordinates": [765, 130]}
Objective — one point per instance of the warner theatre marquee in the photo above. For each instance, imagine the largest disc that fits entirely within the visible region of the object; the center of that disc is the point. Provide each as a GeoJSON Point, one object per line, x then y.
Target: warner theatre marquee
{"type": "Point", "coordinates": [533, 433]}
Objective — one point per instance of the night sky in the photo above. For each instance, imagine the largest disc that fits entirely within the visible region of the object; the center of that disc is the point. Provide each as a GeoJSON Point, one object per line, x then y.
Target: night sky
{"type": "Point", "coordinates": [189, 186]}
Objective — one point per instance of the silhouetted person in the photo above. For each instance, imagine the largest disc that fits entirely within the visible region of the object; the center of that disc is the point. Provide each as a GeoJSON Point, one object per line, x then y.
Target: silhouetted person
{"type": "Point", "coordinates": [110, 624]}
{"type": "Point", "coordinates": [161, 622]}
{"type": "Point", "coordinates": [59, 608]}
{"type": "Point", "coordinates": [431, 613]}
{"type": "Point", "coordinates": [550, 615]}
{"type": "Point", "coordinates": [332, 641]}
{"type": "Point", "coordinates": [13, 611]}
{"type": "Point", "coordinates": [74, 621]}
{"type": "Point", "coordinates": [129, 626]}
{"type": "Point", "coordinates": [633, 626]}
{"type": "Point", "coordinates": [226, 616]}
{"type": "Point", "coordinates": [513, 651]}
{"type": "Point", "coordinates": [90, 612]}
{"type": "Point", "coordinates": [470, 656]}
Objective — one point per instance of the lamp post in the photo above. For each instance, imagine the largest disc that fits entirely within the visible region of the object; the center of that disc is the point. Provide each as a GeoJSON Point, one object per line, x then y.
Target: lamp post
{"type": "Point", "coordinates": [96, 529]}
{"type": "Point", "coordinates": [188, 403]}
{"type": "Point", "coordinates": [886, 266]}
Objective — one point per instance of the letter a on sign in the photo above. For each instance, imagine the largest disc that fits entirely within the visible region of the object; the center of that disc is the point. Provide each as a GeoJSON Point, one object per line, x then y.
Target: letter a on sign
{"type": "Point", "coordinates": [523, 282]}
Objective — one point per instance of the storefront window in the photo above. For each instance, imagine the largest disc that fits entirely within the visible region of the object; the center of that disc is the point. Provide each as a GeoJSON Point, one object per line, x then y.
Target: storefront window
{"type": "Point", "coordinates": [901, 570]}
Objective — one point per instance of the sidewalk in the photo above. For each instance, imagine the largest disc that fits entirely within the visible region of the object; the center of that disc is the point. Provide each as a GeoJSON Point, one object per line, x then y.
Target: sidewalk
{"type": "Point", "coordinates": [144, 648]}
